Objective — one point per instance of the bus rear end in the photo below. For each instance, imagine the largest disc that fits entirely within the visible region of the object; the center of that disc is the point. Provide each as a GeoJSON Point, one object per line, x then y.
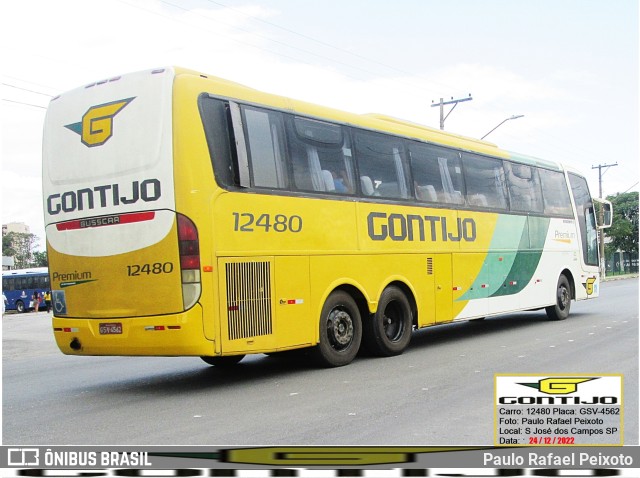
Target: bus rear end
{"type": "Point", "coordinates": [124, 265]}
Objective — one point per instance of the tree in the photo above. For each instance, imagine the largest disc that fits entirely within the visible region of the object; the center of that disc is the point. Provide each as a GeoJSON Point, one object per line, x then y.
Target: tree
{"type": "Point", "coordinates": [19, 245]}
{"type": "Point", "coordinates": [40, 259]}
{"type": "Point", "coordinates": [7, 245]}
{"type": "Point", "coordinates": [624, 228]}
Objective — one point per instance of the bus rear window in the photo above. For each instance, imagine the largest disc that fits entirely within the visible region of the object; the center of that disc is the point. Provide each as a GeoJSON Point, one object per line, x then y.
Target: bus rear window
{"type": "Point", "coordinates": [216, 121]}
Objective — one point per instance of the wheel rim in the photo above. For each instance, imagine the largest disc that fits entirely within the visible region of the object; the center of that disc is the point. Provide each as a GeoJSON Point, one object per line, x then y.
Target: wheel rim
{"type": "Point", "coordinates": [340, 329]}
{"type": "Point", "coordinates": [563, 297]}
{"type": "Point", "coordinates": [392, 321]}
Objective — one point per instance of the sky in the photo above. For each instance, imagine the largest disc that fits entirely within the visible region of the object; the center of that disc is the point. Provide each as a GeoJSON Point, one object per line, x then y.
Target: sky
{"type": "Point", "coordinates": [569, 66]}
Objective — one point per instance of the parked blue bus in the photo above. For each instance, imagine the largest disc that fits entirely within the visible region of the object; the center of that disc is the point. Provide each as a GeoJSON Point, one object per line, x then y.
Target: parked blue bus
{"type": "Point", "coordinates": [18, 286]}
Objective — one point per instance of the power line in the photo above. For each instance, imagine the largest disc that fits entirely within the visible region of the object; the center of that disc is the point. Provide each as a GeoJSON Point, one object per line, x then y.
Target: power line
{"type": "Point", "coordinates": [323, 43]}
{"type": "Point", "coordinates": [23, 103]}
{"type": "Point", "coordinates": [26, 89]}
{"type": "Point", "coordinates": [283, 55]}
{"type": "Point", "coordinates": [302, 50]}
{"type": "Point", "coordinates": [285, 44]}
{"type": "Point", "coordinates": [288, 45]}
{"type": "Point", "coordinates": [32, 82]}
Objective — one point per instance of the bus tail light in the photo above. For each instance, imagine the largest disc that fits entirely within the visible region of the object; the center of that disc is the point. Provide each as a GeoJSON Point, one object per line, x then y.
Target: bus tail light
{"type": "Point", "coordinates": [189, 249]}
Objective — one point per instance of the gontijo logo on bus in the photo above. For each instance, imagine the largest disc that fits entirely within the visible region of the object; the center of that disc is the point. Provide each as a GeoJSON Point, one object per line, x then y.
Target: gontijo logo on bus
{"type": "Point", "coordinates": [96, 126]}
{"type": "Point", "coordinates": [414, 227]}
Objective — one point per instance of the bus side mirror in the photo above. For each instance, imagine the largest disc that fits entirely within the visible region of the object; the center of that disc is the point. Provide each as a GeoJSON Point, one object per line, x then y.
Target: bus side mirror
{"type": "Point", "coordinates": [605, 213]}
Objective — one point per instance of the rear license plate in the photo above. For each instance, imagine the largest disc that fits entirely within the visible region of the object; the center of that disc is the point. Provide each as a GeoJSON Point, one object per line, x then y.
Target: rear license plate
{"type": "Point", "coordinates": [110, 328]}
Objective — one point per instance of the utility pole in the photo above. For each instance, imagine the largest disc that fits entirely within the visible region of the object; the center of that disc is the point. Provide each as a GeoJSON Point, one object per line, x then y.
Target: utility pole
{"type": "Point", "coordinates": [450, 102]}
{"type": "Point", "coordinates": [600, 174]}
{"type": "Point", "coordinates": [603, 262]}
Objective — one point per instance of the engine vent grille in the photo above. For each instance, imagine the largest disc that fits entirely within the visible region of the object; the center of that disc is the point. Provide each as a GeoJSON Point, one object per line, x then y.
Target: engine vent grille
{"type": "Point", "coordinates": [249, 299]}
{"type": "Point", "coordinates": [429, 266]}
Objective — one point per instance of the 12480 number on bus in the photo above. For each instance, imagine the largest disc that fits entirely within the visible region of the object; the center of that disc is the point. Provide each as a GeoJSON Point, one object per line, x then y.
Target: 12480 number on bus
{"type": "Point", "coordinates": [147, 269]}
{"type": "Point", "coordinates": [248, 222]}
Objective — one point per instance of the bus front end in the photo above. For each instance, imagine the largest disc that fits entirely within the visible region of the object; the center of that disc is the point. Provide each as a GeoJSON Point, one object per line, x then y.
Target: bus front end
{"type": "Point", "coordinates": [124, 264]}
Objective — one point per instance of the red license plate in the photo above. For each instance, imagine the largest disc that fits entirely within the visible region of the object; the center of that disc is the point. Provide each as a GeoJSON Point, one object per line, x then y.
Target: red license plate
{"type": "Point", "coordinates": [110, 328]}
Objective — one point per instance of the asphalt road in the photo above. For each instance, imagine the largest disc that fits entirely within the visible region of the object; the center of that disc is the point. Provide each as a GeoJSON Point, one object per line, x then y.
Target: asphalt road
{"type": "Point", "coordinates": [439, 392]}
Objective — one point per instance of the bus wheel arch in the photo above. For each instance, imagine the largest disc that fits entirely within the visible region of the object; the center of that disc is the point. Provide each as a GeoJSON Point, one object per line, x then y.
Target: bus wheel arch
{"type": "Point", "coordinates": [340, 327]}
{"type": "Point", "coordinates": [564, 294]}
{"type": "Point", "coordinates": [388, 331]}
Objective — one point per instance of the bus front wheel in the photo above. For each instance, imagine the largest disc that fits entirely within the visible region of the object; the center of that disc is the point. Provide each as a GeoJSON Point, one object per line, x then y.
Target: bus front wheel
{"type": "Point", "coordinates": [389, 330]}
{"type": "Point", "coordinates": [20, 306]}
{"type": "Point", "coordinates": [340, 331]}
{"type": "Point", "coordinates": [560, 310]}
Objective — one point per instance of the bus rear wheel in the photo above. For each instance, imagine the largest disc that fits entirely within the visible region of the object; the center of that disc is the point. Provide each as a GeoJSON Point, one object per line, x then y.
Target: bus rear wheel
{"type": "Point", "coordinates": [340, 331]}
{"type": "Point", "coordinates": [224, 361]}
{"type": "Point", "coordinates": [560, 310]}
{"type": "Point", "coordinates": [20, 307]}
{"type": "Point", "coordinates": [389, 330]}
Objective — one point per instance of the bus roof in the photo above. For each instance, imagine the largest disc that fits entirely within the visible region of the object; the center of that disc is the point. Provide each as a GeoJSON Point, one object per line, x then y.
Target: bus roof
{"type": "Point", "coordinates": [33, 270]}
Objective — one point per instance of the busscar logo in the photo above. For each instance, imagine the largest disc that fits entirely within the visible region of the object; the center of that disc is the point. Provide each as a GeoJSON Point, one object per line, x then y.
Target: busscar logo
{"type": "Point", "coordinates": [96, 126]}
{"type": "Point", "coordinates": [558, 385]}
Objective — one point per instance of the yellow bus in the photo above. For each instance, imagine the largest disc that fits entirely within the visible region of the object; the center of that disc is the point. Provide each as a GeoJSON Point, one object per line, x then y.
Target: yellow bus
{"type": "Point", "coordinates": [187, 215]}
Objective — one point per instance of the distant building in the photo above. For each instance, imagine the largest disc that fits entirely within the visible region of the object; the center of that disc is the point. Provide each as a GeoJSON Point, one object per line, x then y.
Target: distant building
{"type": "Point", "coordinates": [19, 227]}
{"type": "Point", "coordinates": [7, 263]}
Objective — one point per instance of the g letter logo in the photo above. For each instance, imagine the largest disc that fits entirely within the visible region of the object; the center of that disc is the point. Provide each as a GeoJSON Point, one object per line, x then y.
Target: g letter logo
{"type": "Point", "coordinates": [96, 126]}
{"type": "Point", "coordinates": [558, 386]}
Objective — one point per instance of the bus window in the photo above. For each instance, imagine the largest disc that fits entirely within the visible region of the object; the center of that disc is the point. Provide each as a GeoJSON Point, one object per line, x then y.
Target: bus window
{"type": "Point", "coordinates": [555, 193]}
{"type": "Point", "coordinates": [485, 182]}
{"type": "Point", "coordinates": [215, 119]}
{"type": "Point", "coordinates": [437, 174]}
{"type": "Point", "coordinates": [381, 165]}
{"type": "Point", "coordinates": [586, 218]}
{"type": "Point", "coordinates": [525, 194]}
{"type": "Point", "coordinates": [263, 130]}
{"type": "Point", "coordinates": [320, 156]}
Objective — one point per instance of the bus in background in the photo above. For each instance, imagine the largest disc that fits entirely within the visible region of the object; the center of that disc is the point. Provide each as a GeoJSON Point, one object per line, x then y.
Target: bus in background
{"type": "Point", "coordinates": [19, 286]}
{"type": "Point", "coordinates": [189, 215]}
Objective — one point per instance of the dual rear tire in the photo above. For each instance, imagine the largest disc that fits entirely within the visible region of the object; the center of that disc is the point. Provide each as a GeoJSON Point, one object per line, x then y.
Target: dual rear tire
{"type": "Point", "coordinates": [342, 329]}
{"type": "Point", "coordinates": [388, 332]}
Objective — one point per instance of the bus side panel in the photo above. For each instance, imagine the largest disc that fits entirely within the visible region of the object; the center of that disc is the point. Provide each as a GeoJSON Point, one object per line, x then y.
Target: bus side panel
{"type": "Point", "coordinates": [370, 274]}
{"type": "Point", "coordinates": [294, 326]}
{"type": "Point", "coordinates": [441, 309]}
{"type": "Point", "coordinates": [265, 304]}
{"type": "Point", "coordinates": [470, 281]}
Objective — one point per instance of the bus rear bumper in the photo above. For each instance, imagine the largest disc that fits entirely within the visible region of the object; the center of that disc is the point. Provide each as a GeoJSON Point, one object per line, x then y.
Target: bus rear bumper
{"type": "Point", "coordinates": [166, 335]}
